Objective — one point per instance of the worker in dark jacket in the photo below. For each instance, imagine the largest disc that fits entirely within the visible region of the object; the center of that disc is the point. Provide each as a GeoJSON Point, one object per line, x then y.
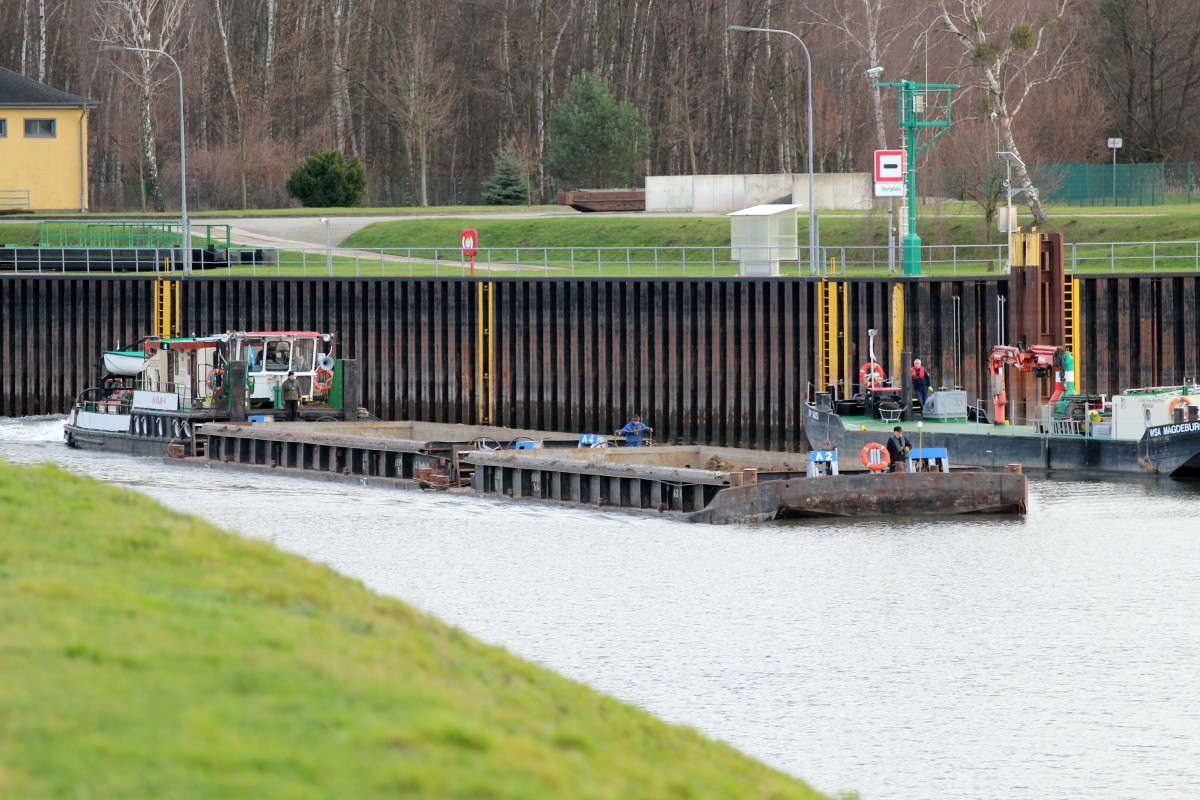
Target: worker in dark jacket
{"type": "Point", "coordinates": [291, 397]}
{"type": "Point", "coordinates": [920, 382]}
{"type": "Point", "coordinates": [897, 447]}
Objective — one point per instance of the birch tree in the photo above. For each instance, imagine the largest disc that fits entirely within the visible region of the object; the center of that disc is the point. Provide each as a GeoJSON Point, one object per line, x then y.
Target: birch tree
{"type": "Point", "coordinates": [869, 26]}
{"type": "Point", "coordinates": [1006, 46]}
{"type": "Point", "coordinates": [413, 85]}
{"type": "Point", "coordinates": [146, 24]}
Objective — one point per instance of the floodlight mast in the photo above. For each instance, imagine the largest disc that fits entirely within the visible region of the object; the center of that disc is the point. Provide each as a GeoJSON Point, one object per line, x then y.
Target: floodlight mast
{"type": "Point", "coordinates": [813, 263]}
{"type": "Point", "coordinates": [187, 233]}
{"type": "Point", "coordinates": [1010, 160]}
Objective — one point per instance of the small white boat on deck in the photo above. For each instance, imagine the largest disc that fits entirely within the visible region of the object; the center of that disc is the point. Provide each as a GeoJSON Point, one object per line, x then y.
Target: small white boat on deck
{"type": "Point", "coordinates": [125, 363]}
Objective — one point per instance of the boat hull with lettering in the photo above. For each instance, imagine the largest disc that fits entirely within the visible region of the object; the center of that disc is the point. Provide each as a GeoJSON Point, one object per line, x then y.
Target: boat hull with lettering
{"type": "Point", "coordinates": [1144, 431]}
{"type": "Point", "coordinates": [152, 396]}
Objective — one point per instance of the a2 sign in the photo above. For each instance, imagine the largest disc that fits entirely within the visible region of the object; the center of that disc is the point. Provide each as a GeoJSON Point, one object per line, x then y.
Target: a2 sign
{"type": "Point", "coordinates": [889, 173]}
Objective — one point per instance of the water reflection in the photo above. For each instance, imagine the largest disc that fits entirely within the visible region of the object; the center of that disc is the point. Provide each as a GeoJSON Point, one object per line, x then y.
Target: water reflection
{"type": "Point", "coordinates": [1051, 656]}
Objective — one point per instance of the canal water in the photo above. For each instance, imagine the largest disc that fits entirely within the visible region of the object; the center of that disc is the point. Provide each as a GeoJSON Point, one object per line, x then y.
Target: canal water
{"type": "Point", "coordinates": [1055, 656]}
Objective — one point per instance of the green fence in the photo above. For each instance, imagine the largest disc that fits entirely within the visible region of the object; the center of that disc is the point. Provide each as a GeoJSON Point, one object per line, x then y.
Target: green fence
{"type": "Point", "coordinates": [1119, 185]}
{"type": "Point", "coordinates": [128, 234]}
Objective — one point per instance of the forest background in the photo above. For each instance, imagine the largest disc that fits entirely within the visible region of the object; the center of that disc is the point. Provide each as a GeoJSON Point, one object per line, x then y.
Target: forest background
{"type": "Point", "coordinates": [427, 93]}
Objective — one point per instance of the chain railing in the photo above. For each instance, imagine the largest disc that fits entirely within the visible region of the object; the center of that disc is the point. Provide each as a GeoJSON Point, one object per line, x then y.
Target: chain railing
{"type": "Point", "coordinates": [592, 262]}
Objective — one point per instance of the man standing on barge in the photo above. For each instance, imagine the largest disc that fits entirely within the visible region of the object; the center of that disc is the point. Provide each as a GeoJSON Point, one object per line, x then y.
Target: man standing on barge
{"type": "Point", "coordinates": [897, 447]}
{"type": "Point", "coordinates": [635, 432]}
{"type": "Point", "coordinates": [291, 397]}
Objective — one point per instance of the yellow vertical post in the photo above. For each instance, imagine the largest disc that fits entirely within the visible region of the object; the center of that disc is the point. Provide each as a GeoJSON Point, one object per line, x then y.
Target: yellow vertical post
{"type": "Point", "coordinates": [847, 373]}
{"type": "Point", "coordinates": [821, 336]}
{"type": "Point", "coordinates": [166, 304]}
{"type": "Point", "coordinates": [485, 352]}
{"type": "Point", "coordinates": [827, 334]}
{"type": "Point", "coordinates": [897, 330]}
{"type": "Point", "coordinates": [1072, 324]}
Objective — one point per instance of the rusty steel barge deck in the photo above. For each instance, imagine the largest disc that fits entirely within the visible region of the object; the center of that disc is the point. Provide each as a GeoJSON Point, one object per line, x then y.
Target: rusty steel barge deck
{"type": "Point", "coordinates": [692, 483]}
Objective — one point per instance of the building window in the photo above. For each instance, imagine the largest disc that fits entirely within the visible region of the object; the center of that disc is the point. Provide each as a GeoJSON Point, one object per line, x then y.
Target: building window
{"type": "Point", "coordinates": [39, 129]}
{"type": "Point", "coordinates": [3, 128]}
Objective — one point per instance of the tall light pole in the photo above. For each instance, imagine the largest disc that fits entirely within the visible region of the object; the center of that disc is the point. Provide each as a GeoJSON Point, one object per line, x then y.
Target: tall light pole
{"type": "Point", "coordinates": [1010, 161]}
{"type": "Point", "coordinates": [187, 233]}
{"type": "Point", "coordinates": [328, 248]}
{"type": "Point", "coordinates": [812, 219]}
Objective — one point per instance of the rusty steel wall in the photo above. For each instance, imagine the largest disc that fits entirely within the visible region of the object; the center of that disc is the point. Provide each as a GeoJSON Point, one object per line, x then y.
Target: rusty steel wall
{"type": "Point", "coordinates": [725, 361]}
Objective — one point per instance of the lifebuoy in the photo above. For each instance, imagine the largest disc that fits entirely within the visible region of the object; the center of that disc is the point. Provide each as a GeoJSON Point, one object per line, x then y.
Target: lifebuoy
{"type": "Point", "coordinates": [1179, 401]}
{"type": "Point", "coordinates": [871, 375]}
{"type": "Point", "coordinates": [875, 457]}
{"type": "Point", "coordinates": [323, 380]}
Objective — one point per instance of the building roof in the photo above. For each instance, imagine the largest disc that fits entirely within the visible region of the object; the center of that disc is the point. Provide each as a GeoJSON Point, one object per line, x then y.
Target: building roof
{"type": "Point", "coordinates": [17, 90]}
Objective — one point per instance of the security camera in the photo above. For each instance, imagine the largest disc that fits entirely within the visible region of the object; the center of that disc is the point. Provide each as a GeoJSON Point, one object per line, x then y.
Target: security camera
{"type": "Point", "coordinates": [875, 72]}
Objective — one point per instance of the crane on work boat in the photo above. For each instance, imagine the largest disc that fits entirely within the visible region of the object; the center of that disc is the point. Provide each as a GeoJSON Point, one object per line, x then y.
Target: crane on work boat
{"type": "Point", "coordinates": [1040, 359]}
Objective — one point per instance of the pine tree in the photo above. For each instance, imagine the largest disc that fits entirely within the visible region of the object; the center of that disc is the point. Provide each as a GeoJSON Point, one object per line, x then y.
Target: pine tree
{"type": "Point", "coordinates": [594, 140]}
{"type": "Point", "coordinates": [509, 185]}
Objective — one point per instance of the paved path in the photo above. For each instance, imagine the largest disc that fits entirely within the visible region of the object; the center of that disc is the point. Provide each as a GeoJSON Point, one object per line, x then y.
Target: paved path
{"type": "Point", "coordinates": [306, 232]}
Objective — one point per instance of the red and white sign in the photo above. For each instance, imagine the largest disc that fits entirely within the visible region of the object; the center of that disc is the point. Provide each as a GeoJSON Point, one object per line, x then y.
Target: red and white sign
{"type": "Point", "coordinates": [470, 242]}
{"type": "Point", "coordinates": [890, 168]}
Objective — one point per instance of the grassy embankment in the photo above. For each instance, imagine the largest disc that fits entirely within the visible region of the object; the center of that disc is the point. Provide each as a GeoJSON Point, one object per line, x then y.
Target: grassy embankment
{"type": "Point", "coordinates": [146, 654]}
{"type": "Point", "coordinates": [589, 245]}
{"type": "Point", "coordinates": [652, 244]}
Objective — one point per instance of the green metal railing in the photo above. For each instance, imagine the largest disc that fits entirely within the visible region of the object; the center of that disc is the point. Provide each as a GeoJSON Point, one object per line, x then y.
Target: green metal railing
{"type": "Point", "coordinates": [135, 233]}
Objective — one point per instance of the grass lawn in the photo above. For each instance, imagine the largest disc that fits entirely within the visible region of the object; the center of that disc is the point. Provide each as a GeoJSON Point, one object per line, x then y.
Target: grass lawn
{"type": "Point", "coordinates": [146, 654]}
{"type": "Point", "coordinates": [654, 245]}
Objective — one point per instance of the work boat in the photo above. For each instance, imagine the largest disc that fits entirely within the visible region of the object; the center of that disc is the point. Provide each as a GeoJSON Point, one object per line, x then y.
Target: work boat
{"type": "Point", "coordinates": [153, 394]}
{"type": "Point", "coordinates": [1143, 431]}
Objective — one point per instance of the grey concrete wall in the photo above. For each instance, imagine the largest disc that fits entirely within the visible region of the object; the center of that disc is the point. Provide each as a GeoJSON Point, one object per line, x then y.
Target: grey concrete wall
{"type": "Point", "coordinates": [720, 194]}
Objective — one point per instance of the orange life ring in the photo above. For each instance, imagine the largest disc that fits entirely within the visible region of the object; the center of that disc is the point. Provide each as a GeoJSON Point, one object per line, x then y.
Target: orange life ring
{"type": "Point", "coordinates": [871, 375]}
{"type": "Point", "coordinates": [875, 463]}
{"type": "Point", "coordinates": [1179, 401]}
{"type": "Point", "coordinates": [323, 380]}
{"type": "Point", "coordinates": [216, 379]}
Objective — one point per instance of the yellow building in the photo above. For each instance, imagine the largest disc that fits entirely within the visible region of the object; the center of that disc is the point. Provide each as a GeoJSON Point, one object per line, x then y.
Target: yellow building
{"type": "Point", "coordinates": [43, 146]}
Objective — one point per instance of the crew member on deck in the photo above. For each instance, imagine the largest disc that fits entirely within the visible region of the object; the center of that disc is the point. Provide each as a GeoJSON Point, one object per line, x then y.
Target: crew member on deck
{"type": "Point", "coordinates": [636, 432]}
{"type": "Point", "coordinates": [920, 382]}
{"type": "Point", "coordinates": [897, 447]}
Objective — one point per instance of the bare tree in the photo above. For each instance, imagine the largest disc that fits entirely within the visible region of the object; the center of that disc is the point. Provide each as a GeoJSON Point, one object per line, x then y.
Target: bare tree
{"type": "Point", "coordinates": [1006, 44]}
{"type": "Point", "coordinates": [1147, 58]}
{"type": "Point", "coordinates": [869, 26]}
{"type": "Point", "coordinates": [413, 86]}
{"type": "Point", "coordinates": [145, 24]}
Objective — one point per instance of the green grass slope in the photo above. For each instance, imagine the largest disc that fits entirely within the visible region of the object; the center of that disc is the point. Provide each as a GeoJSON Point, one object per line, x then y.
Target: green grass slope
{"type": "Point", "coordinates": [941, 225]}
{"type": "Point", "coordinates": [145, 654]}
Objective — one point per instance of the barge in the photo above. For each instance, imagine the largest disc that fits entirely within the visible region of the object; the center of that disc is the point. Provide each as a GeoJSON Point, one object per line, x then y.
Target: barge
{"type": "Point", "coordinates": [1151, 431]}
{"type": "Point", "coordinates": [153, 394]}
{"type": "Point", "coordinates": [691, 483]}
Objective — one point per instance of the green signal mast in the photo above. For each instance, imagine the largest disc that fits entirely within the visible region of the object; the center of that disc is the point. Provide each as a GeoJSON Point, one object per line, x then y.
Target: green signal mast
{"type": "Point", "coordinates": [923, 107]}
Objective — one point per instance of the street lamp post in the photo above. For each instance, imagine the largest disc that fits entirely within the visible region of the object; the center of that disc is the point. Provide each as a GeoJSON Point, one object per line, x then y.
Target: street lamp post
{"type": "Point", "coordinates": [187, 233]}
{"type": "Point", "coordinates": [328, 248]}
{"type": "Point", "coordinates": [812, 219]}
{"type": "Point", "coordinates": [1010, 160]}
